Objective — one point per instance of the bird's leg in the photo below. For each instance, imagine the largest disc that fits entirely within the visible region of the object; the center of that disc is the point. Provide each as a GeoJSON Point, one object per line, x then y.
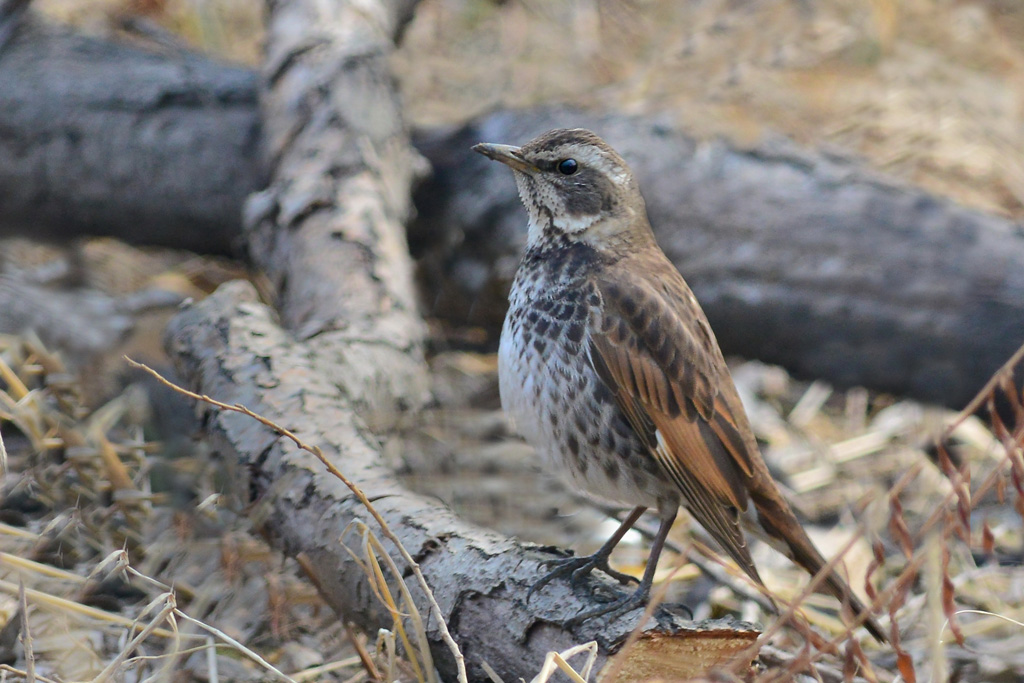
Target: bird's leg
{"type": "Point", "coordinates": [579, 567]}
{"type": "Point", "coordinates": [642, 593]}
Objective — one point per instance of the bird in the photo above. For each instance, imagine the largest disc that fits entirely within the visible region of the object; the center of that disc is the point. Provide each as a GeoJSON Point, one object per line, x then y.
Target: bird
{"type": "Point", "coordinates": [608, 366]}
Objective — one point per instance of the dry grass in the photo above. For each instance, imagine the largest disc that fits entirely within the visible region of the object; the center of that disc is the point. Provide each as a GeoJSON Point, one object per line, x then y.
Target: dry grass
{"type": "Point", "coordinates": [89, 512]}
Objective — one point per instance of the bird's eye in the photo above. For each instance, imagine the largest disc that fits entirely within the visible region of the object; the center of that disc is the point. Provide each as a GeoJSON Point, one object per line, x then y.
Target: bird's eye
{"type": "Point", "coordinates": [567, 166]}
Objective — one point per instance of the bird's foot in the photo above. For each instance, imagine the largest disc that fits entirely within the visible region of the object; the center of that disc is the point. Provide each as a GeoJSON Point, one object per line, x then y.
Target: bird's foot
{"type": "Point", "coordinates": [578, 568]}
{"type": "Point", "coordinates": [615, 608]}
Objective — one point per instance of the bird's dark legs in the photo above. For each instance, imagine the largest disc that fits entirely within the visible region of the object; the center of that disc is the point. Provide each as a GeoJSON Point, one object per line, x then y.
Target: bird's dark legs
{"type": "Point", "coordinates": [578, 567]}
{"type": "Point", "coordinates": [643, 591]}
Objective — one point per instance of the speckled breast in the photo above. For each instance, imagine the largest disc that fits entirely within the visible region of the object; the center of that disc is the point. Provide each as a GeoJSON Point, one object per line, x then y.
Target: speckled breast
{"type": "Point", "coordinates": [554, 396]}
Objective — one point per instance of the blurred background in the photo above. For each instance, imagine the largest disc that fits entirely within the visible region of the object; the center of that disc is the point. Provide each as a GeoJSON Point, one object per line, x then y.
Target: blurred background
{"type": "Point", "coordinates": [927, 90]}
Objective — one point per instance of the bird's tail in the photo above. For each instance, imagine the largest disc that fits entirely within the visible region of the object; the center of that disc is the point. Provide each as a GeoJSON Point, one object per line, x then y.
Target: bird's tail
{"type": "Point", "coordinates": [786, 534]}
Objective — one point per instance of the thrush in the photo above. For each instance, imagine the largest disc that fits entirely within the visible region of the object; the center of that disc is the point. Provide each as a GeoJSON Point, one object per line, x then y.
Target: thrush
{"type": "Point", "coordinates": [608, 367]}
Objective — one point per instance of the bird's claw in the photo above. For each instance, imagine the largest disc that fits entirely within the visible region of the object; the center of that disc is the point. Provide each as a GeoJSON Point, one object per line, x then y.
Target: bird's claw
{"type": "Point", "coordinates": [614, 609]}
{"type": "Point", "coordinates": [578, 568]}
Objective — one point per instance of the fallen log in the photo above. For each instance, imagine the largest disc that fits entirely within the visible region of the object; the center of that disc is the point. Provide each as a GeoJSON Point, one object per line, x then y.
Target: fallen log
{"type": "Point", "coordinates": [104, 138]}
{"type": "Point", "coordinates": [329, 229]}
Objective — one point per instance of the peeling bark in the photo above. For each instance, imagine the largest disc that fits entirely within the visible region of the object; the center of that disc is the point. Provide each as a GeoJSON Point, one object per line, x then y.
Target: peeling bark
{"type": "Point", "coordinates": [329, 230]}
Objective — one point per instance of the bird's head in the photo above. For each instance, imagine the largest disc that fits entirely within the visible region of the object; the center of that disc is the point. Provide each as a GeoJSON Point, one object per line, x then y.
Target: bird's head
{"type": "Point", "coordinates": [574, 185]}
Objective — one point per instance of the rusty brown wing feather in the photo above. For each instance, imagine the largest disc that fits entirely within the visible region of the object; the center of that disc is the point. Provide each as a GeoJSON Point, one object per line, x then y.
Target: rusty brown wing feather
{"type": "Point", "coordinates": [651, 345]}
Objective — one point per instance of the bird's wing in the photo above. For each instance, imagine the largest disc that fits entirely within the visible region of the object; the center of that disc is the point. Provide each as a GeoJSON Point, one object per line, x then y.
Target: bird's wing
{"type": "Point", "coordinates": [652, 346]}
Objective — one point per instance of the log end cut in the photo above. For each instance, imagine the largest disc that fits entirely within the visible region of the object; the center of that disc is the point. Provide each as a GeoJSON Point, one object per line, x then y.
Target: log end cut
{"type": "Point", "coordinates": [683, 655]}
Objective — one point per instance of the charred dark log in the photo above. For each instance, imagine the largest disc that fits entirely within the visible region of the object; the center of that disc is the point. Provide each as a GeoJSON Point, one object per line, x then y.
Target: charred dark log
{"type": "Point", "coordinates": [103, 138]}
{"type": "Point", "coordinates": [799, 258]}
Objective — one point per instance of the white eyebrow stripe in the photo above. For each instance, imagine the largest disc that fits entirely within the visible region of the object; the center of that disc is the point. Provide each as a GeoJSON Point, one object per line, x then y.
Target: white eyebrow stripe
{"type": "Point", "coordinates": [596, 159]}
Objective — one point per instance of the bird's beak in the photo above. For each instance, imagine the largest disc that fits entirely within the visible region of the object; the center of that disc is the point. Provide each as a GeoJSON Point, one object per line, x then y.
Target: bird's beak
{"type": "Point", "coordinates": [506, 154]}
